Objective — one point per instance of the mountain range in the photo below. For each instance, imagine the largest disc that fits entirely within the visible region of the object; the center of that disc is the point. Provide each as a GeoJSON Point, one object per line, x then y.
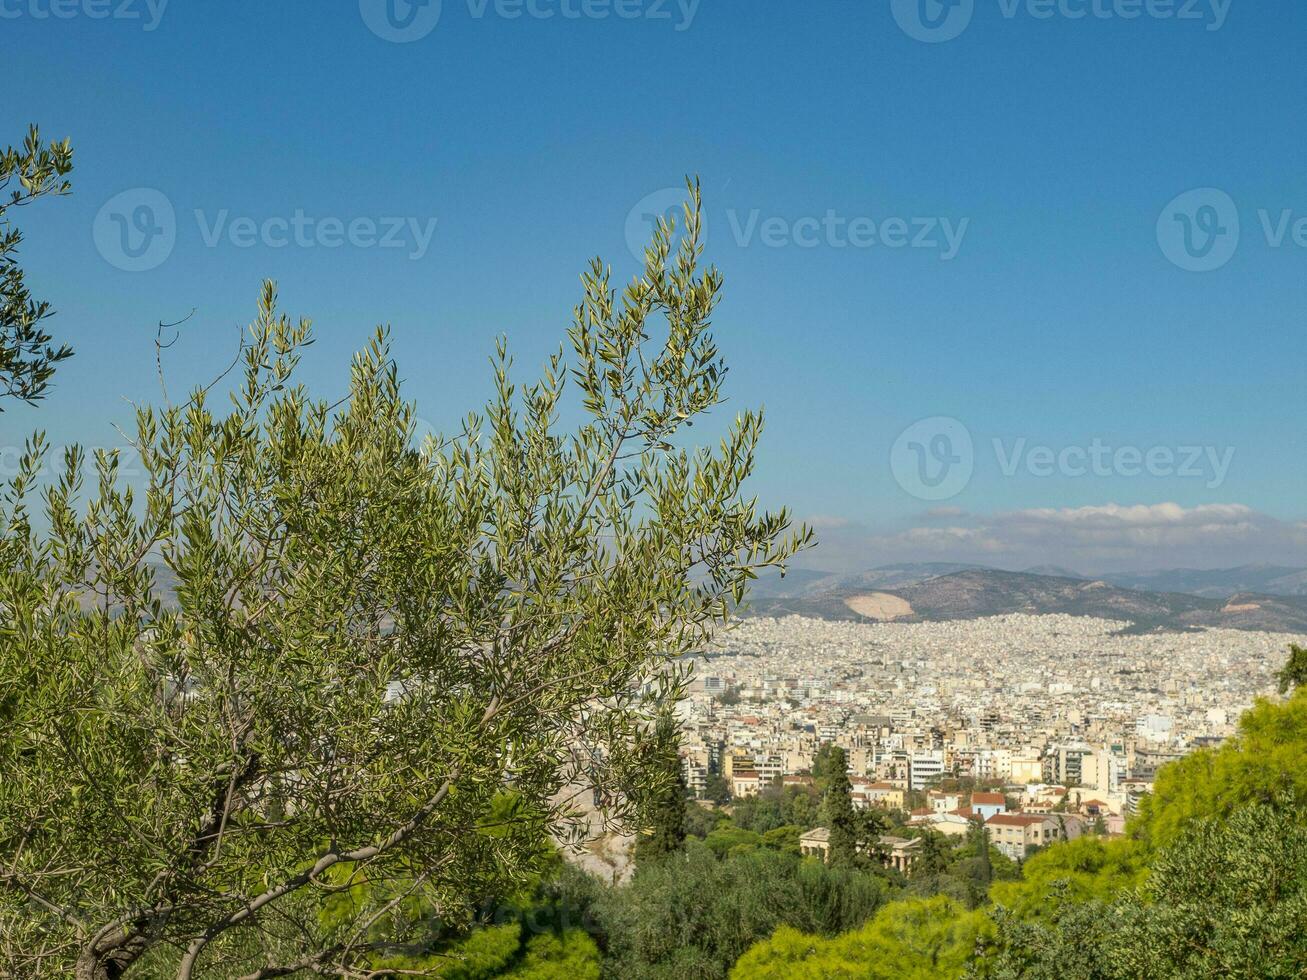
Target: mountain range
{"type": "Point", "coordinates": [1172, 600]}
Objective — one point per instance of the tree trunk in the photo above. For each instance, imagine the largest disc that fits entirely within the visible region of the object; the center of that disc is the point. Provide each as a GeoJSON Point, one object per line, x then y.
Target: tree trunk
{"type": "Point", "coordinates": [109, 957]}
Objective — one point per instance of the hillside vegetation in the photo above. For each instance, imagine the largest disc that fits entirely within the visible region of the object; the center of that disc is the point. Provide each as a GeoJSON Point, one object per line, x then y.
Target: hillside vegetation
{"type": "Point", "coordinates": [1210, 880]}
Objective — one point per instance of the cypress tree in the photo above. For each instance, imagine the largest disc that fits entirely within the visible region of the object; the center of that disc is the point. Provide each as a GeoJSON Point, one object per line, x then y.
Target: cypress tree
{"type": "Point", "coordinates": [837, 807]}
{"type": "Point", "coordinates": [667, 810]}
{"type": "Point", "coordinates": [982, 855]}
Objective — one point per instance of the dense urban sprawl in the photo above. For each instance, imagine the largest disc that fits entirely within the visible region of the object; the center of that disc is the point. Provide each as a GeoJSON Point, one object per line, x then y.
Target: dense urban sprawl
{"type": "Point", "coordinates": [1056, 713]}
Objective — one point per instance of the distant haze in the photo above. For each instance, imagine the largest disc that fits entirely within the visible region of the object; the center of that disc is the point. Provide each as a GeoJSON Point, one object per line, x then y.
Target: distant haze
{"type": "Point", "coordinates": [1088, 540]}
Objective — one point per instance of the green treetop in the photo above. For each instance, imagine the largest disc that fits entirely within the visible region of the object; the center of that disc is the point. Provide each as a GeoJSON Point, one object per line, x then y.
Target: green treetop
{"type": "Point", "coordinates": [1294, 673]}
{"type": "Point", "coordinates": [665, 794]}
{"type": "Point", "coordinates": [27, 358]}
{"type": "Point", "coordinates": [370, 641]}
{"type": "Point", "coordinates": [837, 810]}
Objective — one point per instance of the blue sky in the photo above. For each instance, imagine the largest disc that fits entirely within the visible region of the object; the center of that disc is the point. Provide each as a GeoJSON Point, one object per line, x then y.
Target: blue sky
{"type": "Point", "coordinates": [964, 230]}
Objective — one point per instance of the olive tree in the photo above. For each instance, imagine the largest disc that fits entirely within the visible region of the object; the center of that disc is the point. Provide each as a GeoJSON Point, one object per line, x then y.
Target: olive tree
{"type": "Point", "coordinates": [27, 357]}
{"type": "Point", "coordinates": [386, 669]}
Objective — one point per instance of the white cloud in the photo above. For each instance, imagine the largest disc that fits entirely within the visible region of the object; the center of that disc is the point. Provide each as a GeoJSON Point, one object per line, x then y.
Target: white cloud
{"type": "Point", "coordinates": [1106, 537]}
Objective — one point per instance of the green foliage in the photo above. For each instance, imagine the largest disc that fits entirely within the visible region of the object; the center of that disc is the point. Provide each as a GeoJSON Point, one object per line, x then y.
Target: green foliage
{"type": "Point", "coordinates": [570, 956]}
{"type": "Point", "coordinates": [784, 839]}
{"type": "Point", "coordinates": [824, 764]}
{"type": "Point", "coordinates": [1294, 672]}
{"type": "Point", "coordinates": [945, 866]}
{"type": "Point", "coordinates": [484, 953]}
{"type": "Point", "coordinates": [1266, 760]}
{"type": "Point", "coordinates": [853, 833]}
{"type": "Point", "coordinates": [505, 950]}
{"type": "Point", "coordinates": [778, 806]}
{"type": "Point", "coordinates": [369, 642]}
{"type": "Point", "coordinates": [729, 839]}
{"type": "Point", "coordinates": [1211, 883]}
{"type": "Point", "coordinates": [1067, 946]}
{"type": "Point", "coordinates": [912, 939]}
{"type": "Point", "coordinates": [416, 932]}
{"type": "Point", "coordinates": [692, 917]}
{"type": "Point", "coordinates": [1083, 870]}
{"type": "Point", "coordinates": [723, 835]}
{"type": "Point", "coordinates": [1227, 899]}
{"type": "Point", "coordinates": [717, 789]}
{"type": "Point", "coordinates": [837, 810]}
{"type": "Point", "coordinates": [27, 358]}
{"type": "Point", "coordinates": [700, 820]}
{"type": "Point", "coordinates": [962, 870]}
{"type": "Point", "coordinates": [935, 854]}
{"type": "Point", "coordinates": [666, 810]}
{"type": "Point", "coordinates": [984, 859]}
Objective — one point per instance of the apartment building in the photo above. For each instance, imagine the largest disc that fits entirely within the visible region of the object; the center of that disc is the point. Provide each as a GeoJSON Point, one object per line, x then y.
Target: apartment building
{"type": "Point", "coordinates": [866, 793]}
{"type": "Point", "coordinates": [745, 783]}
{"type": "Point", "coordinates": [986, 805]}
{"type": "Point", "coordinates": [941, 802]}
{"type": "Point", "coordinates": [925, 768]}
{"type": "Point", "coordinates": [1016, 833]}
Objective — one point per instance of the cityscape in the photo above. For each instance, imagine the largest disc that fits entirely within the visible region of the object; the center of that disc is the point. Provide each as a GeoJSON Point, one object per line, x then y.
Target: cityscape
{"type": "Point", "coordinates": [653, 490]}
{"type": "Point", "coordinates": [1055, 710]}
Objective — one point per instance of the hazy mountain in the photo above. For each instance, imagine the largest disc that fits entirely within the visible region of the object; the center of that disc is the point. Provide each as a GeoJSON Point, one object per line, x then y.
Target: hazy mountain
{"type": "Point", "coordinates": [1254, 597]}
{"type": "Point", "coordinates": [899, 576]}
{"type": "Point", "coordinates": [1056, 571]}
{"type": "Point", "coordinates": [968, 595]}
{"type": "Point", "coordinates": [976, 592]}
{"type": "Point", "coordinates": [800, 582]}
{"type": "Point", "coordinates": [1218, 583]}
{"type": "Point", "coordinates": [770, 584]}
